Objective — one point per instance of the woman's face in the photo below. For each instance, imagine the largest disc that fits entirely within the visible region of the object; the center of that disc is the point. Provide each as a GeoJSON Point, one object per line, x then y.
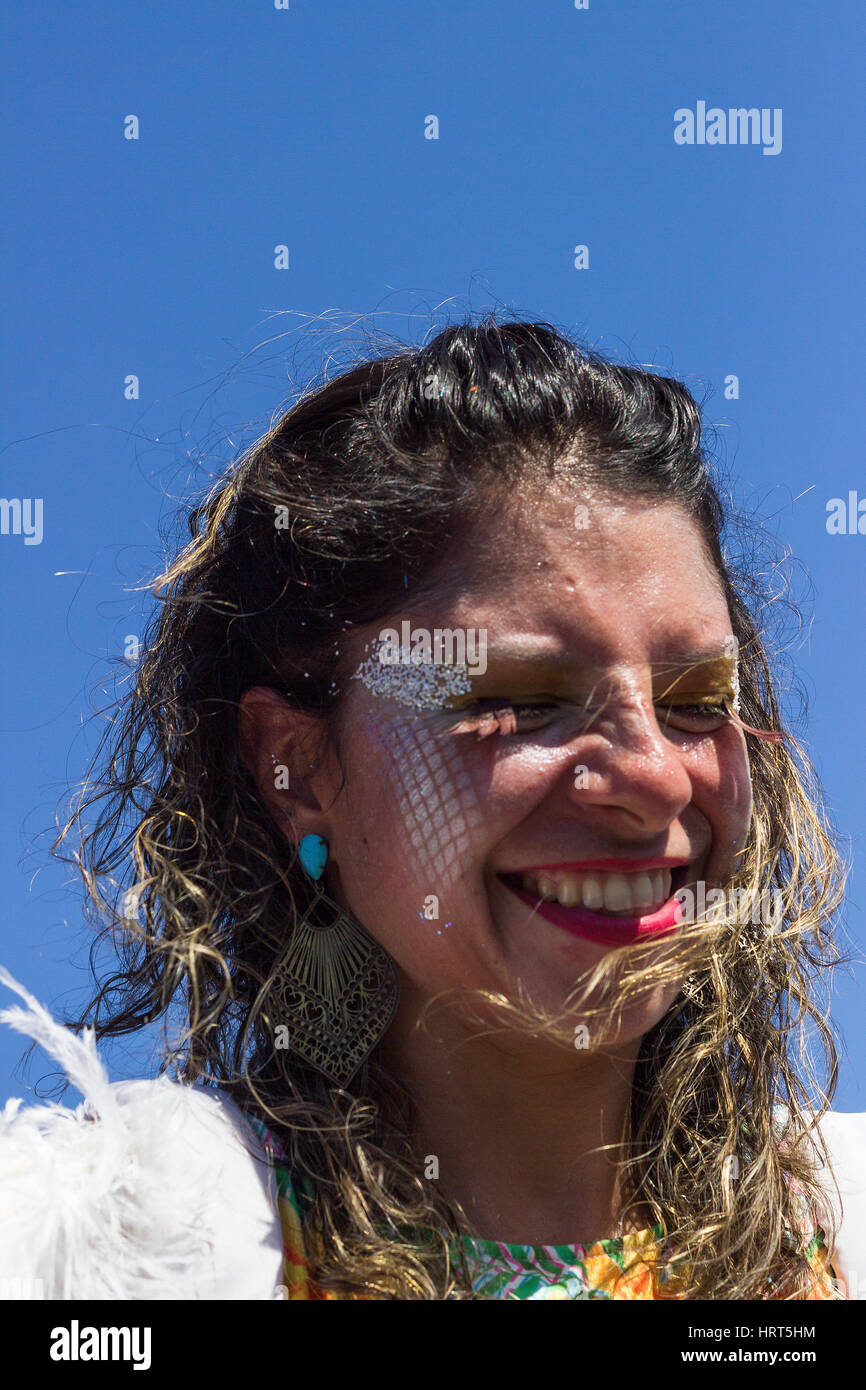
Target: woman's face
{"type": "Point", "coordinates": [586, 792]}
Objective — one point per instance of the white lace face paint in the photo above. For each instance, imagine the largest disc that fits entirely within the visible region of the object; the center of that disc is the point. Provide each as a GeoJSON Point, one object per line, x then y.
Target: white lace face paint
{"type": "Point", "coordinates": [435, 796]}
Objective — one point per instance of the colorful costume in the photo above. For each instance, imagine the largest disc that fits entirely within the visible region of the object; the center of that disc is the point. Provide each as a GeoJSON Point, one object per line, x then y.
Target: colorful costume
{"type": "Point", "coordinates": [498, 1270]}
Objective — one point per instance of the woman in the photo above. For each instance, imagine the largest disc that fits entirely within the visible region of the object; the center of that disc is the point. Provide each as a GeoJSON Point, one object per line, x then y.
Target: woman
{"type": "Point", "coordinates": [453, 800]}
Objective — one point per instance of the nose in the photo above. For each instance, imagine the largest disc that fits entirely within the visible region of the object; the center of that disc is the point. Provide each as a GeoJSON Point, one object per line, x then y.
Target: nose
{"type": "Point", "coordinates": [632, 774]}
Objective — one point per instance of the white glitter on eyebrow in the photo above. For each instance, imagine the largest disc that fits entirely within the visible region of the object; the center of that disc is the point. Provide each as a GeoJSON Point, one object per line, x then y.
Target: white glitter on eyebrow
{"type": "Point", "coordinates": [732, 650]}
{"type": "Point", "coordinates": [413, 682]}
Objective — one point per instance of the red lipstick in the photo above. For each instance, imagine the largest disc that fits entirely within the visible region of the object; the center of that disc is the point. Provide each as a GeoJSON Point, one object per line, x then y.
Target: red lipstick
{"type": "Point", "coordinates": [608, 929]}
{"type": "Point", "coordinates": [602, 927]}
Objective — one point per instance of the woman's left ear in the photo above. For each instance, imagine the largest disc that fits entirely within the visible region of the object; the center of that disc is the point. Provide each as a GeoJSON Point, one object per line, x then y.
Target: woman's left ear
{"type": "Point", "coordinates": [289, 757]}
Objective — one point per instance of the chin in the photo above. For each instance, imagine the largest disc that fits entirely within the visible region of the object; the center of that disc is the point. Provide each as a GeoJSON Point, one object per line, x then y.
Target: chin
{"type": "Point", "coordinates": [550, 997]}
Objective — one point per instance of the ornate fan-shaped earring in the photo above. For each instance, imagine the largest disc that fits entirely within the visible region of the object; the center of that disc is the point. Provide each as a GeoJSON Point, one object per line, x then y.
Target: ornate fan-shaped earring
{"type": "Point", "coordinates": [337, 989]}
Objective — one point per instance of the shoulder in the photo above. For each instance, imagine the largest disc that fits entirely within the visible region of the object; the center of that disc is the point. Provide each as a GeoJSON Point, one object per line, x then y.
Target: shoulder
{"type": "Point", "coordinates": [148, 1189]}
{"type": "Point", "coordinates": [841, 1212]}
{"type": "Point", "coordinates": [844, 1188]}
{"type": "Point", "coordinates": [839, 1218]}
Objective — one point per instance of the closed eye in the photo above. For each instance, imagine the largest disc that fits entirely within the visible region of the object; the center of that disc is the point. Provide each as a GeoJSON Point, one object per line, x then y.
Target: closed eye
{"type": "Point", "coordinates": [511, 717]}
{"type": "Point", "coordinates": [702, 717]}
{"type": "Point", "coordinates": [492, 715]}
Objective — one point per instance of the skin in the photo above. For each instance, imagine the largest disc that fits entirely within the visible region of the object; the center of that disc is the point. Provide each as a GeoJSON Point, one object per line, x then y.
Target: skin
{"type": "Point", "coordinates": [517, 1124]}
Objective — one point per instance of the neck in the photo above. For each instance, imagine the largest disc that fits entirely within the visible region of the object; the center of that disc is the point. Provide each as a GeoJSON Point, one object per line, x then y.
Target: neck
{"type": "Point", "coordinates": [527, 1140]}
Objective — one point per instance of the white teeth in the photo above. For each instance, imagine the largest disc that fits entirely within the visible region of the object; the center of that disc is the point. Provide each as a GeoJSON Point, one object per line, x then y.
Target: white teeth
{"type": "Point", "coordinates": [593, 897]}
{"type": "Point", "coordinates": [643, 891]}
{"type": "Point", "coordinates": [614, 893]}
{"type": "Point", "coordinates": [546, 886]}
{"type": "Point", "coordinates": [617, 894]}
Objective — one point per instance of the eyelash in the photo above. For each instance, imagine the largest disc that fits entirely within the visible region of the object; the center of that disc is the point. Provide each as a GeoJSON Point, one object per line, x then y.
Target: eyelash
{"type": "Point", "coordinates": [720, 711]}
{"type": "Point", "coordinates": [473, 717]}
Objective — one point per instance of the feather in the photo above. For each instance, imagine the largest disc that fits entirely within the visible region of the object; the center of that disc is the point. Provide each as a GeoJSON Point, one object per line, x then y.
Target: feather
{"type": "Point", "coordinates": [148, 1190]}
{"type": "Point", "coordinates": [845, 1206]}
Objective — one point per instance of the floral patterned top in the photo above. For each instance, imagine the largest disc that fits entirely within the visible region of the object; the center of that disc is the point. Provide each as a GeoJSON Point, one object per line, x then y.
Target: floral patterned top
{"type": "Point", "coordinates": [498, 1270]}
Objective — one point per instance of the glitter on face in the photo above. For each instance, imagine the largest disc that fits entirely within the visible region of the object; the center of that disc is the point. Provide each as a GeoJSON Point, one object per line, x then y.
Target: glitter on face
{"type": "Point", "coordinates": [732, 650]}
{"type": "Point", "coordinates": [412, 681]}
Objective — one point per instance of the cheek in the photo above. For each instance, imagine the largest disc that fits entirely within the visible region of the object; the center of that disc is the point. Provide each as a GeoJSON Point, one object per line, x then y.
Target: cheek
{"type": "Point", "coordinates": [719, 768]}
{"type": "Point", "coordinates": [413, 835]}
{"type": "Point", "coordinates": [415, 787]}
{"type": "Point", "coordinates": [520, 776]}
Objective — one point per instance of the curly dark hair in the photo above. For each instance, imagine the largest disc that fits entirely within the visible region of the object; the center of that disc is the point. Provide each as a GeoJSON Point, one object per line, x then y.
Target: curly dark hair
{"type": "Point", "coordinates": [327, 523]}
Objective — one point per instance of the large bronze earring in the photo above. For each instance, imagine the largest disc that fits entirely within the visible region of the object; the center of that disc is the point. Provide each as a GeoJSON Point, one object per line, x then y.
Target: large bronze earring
{"type": "Point", "coordinates": [337, 988]}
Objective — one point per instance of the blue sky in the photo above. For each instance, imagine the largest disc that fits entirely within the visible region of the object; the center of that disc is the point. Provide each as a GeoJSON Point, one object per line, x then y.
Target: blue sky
{"type": "Point", "coordinates": [306, 127]}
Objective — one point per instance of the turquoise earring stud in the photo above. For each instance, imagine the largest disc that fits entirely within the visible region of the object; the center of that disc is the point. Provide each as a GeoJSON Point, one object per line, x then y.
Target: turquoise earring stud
{"type": "Point", "coordinates": [313, 854]}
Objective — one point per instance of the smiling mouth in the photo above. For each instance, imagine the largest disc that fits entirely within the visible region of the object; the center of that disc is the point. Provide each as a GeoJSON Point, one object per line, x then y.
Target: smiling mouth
{"type": "Point", "coordinates": [612, 907]}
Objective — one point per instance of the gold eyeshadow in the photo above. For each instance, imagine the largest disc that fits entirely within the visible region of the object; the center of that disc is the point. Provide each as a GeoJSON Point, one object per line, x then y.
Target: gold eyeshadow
{"type": "Point", "coordinates": [708, 681]}
{"type": "Point", "coordinates": [704, 682]}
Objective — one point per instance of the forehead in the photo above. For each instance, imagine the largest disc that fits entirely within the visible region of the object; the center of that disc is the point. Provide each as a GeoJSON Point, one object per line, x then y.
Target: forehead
{"type": "Point", "coordinates": [616, 577]}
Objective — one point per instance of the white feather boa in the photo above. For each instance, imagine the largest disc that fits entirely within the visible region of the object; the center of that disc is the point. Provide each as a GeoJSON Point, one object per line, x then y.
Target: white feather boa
{"type": "Point", "coordinates": [148, 1190]}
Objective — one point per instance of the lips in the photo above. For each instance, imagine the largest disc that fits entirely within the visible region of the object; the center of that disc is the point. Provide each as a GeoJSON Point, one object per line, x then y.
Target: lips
{"type": "Point", "coordinates": [608, 901]}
